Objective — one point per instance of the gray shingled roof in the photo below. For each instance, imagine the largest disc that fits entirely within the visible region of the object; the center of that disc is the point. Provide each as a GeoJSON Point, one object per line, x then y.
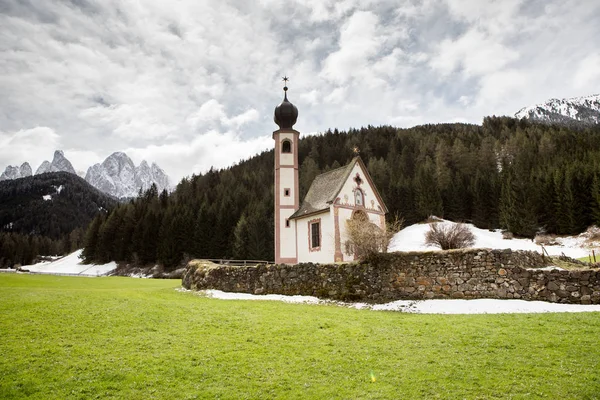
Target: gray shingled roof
{"type": "Point", "coordinates": [324, 190]}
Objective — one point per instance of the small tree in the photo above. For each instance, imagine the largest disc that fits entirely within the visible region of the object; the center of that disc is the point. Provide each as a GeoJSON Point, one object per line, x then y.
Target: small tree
{"type": "Point", "coordinates": [366, 238]}
{"type": "Point", "coordinates": [454, 236]}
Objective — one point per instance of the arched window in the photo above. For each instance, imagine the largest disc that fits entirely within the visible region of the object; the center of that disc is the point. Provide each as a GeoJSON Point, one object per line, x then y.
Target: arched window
{"type": "Point", "coordinates": [360, 215]}
{"type": "Point", "coordinates": [359, 199]}
{"type": "Point", "coordinates": [286, 146]}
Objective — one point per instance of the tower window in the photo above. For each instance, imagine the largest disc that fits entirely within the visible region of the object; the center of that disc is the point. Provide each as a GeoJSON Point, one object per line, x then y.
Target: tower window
{"type": "Point", "coordinates": [287, 223]}
{"type": "Point", "coordinates": [286, 146]}
{"type": "Point", "coordinates": [286, 192]}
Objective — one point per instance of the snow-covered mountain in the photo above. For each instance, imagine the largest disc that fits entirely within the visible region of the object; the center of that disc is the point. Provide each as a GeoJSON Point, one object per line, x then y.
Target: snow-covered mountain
{"type": "Point", "coordinates": [16, 172]}
{"type": "Point", "coordinates": [119, 177]}
{"type": "Point", "coordinates": [116, 176]}
{"type": "Point", "coordinates": [59, 163]}
{"type": "Point", "coordinates": [577, 110]}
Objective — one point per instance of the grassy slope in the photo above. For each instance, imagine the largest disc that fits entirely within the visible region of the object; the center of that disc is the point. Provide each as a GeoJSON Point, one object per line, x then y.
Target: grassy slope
{"type": "Point", "coordinates": [65, 337]}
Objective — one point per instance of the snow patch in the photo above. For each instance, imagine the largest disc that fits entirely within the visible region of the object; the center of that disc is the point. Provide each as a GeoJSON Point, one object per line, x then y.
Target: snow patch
{"type": "Point", "coordinates": [47, 197]}
{"type": "Point", "coordinates": [412, 238]}
{"type": "Point", "coordinates": [71, 264]}
{"type": "Point", "coordinates": [476, 306]}
{"type": "Point", "coordinates": [548, 268]}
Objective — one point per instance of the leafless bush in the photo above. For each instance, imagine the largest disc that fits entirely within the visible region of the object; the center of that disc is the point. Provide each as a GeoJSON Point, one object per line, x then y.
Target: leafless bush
{"type": "Point", "coordinates": [546, 240]}
{"type": "Point", "coordinates": [455, 236]}
{"type": "Point", "coordinates": [431, 219]}
{"type": "Point", "coordinates": [507, 235]}
{"type": "Point", "coordinates": [365, 238]}
{"type": "Point", "coordinates": [592, 234]}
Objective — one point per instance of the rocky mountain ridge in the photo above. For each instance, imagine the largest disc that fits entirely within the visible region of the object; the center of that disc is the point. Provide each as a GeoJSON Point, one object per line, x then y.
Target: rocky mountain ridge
{"type": "Point", "coordinates": [116, 176]}
{"type": "Point", "coordinates": [583, 110]}
{"type": "Point", "coordinates": [16, 172]}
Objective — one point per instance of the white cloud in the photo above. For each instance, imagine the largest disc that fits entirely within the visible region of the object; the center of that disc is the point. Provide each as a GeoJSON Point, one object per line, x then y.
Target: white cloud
{"type": "Point", "coordinates": [474, 53]}
{"type": "Point", "coordinates": [587, 76]}
{"type": "Point", "coordinates": [28, 145]}
{"type": "Point", "coordinates": [212, 149]}
{"type": "Point", "coordinates": [357, 44]}
{"type": "Point", "coordinates": [209, 112]}
{"type": "Point", "coordinates": [212, 114]}
{"type": "Point", "coordinates": [500, 87]}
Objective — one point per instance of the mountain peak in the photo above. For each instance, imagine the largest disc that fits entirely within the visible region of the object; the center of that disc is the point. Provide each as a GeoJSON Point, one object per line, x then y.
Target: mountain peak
{"type": "Point", "coordinates": [59, 163]}
{"type": "Point", "coordinates": [16, 172]}
{"type": "Point", "coordinates": [583, 110]}
{"type": "Point", "coordinates": [118, 176]}
{"type": "Point", "coordinates": [118, 154]}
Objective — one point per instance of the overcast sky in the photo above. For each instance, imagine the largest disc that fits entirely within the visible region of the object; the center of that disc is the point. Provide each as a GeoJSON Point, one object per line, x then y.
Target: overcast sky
{"type": "Point", "coordinates": [190, 83]}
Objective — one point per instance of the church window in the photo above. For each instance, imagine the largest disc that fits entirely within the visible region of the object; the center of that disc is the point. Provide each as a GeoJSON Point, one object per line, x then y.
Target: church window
{"type": "Point", "coordinates": [286, 192]}
{"type": "Point", "coordinates": [315, 234]}
{"type": "Point", "coordinates": [287, 223]}
{"type": "Point", "coordinates": [359, 199]}
{"type": "Point", "coordinates": [286, 146]}
{"type": "Point", "coordinates": [360, 215]}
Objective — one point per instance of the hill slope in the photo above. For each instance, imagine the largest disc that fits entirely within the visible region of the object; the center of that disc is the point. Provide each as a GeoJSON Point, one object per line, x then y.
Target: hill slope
{"type": "Point", "coordinates": [50, 204]}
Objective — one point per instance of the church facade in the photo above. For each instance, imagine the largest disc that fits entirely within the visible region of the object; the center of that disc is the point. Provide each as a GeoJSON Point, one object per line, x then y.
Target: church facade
{"type": "Point", "coordinates": [315, 230]}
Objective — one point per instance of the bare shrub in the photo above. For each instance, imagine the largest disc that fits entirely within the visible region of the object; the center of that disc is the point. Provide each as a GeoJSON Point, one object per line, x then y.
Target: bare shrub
{"type": "Point", "coordinates": [546, 240]}
{"type": "Point", "coordinates": [366, 238]}
{"type": "Point", "coordinates": [592, 234]}
{"type": "Point", "coordinates": [507, 235]}
{"type": "Point", "coordinates": [431, 219]}
{"type": "Point", "coordinates": [446, 237]}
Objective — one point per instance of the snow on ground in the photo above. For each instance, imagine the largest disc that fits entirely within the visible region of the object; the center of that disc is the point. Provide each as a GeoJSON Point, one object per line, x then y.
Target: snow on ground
{"type": "Point", "coordinates": [412, 238]}
{"type": "Point", "coordinates": [476, 306]}
{"type": "Point", "coordinates": [71, 264]}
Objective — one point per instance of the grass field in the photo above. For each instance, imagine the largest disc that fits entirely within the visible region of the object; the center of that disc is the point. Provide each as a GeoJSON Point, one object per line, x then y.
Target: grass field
{"type": "Point", "coordinates": [588, 259]}
{"type": "Point", "coordinates": [68, 337]}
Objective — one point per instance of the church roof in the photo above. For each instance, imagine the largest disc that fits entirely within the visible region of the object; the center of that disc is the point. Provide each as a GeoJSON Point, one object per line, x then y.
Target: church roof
{"type": "Point", "coordinates": [325, 188]}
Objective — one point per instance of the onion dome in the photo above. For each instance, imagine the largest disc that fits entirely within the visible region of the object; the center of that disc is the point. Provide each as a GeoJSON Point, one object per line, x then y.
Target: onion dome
{"type": "Point", "coordinates": [286, 113]}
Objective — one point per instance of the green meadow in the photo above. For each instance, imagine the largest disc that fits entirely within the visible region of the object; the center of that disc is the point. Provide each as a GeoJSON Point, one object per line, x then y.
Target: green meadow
{"type": "Point", "coordinates": [86, 338]}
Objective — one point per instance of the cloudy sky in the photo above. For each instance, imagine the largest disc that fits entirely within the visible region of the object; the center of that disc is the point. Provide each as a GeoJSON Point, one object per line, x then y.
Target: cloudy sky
{"type": "Point", "coordinates": [191, 83]}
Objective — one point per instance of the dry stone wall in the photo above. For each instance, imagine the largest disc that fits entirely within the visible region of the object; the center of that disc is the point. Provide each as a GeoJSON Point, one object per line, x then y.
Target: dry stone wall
{"type": "Point", "coordinates": [459, 274]}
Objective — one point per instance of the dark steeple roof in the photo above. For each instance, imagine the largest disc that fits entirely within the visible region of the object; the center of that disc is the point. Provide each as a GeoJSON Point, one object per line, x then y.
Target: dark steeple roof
{"type": "Point", "coordinates": [286, 113]}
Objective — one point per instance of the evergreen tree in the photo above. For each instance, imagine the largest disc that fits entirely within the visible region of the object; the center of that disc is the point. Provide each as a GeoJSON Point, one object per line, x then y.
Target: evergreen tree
{"type": "Point", "coordinates": [90, 250]}
{"type": "Point", "coordinates": [427, 200]}
{"type": "Point", "coordinates": [240, 237]}
{"type": "Point", "coordinates": [596, 199]}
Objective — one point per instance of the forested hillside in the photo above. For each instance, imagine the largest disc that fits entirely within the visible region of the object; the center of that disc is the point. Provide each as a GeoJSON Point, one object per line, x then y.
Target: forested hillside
{"type": "Point", "coordinates": [506, 173]}
{"type": "Point", "coordinates": [46, 214]}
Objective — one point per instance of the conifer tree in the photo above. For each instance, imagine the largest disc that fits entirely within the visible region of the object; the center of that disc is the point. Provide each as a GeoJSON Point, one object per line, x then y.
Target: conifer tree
{"type": "Point", "coordinates": [595, 189]}
{"type": "Point", "coordinates": [91, 239]}
{"type": "Point", "coordinates": [240, 237]}
{"type": "Point", "coordinates": [427, 200]}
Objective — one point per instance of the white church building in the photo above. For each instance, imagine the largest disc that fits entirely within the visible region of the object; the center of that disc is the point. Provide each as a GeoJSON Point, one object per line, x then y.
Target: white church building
{"type": "Point", "coordinates": [315, 230]}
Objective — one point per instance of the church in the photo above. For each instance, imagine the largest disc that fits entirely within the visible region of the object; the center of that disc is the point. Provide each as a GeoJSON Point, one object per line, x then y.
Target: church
{"type": "Point", "coordinates": [315, 230]}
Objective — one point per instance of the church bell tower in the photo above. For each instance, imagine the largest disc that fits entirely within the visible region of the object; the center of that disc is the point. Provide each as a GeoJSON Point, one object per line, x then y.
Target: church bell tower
{"type": "Point", "coordinates": [286, 180]}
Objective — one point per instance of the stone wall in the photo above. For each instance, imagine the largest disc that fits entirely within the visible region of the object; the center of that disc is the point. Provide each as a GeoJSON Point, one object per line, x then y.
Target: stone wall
{"type": "Point", "coordinates": [460, 274]}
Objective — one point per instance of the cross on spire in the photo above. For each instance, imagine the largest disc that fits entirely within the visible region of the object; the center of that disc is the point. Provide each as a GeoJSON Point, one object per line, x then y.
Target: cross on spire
{"type": "Point", "coordinates": [285, 80]}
